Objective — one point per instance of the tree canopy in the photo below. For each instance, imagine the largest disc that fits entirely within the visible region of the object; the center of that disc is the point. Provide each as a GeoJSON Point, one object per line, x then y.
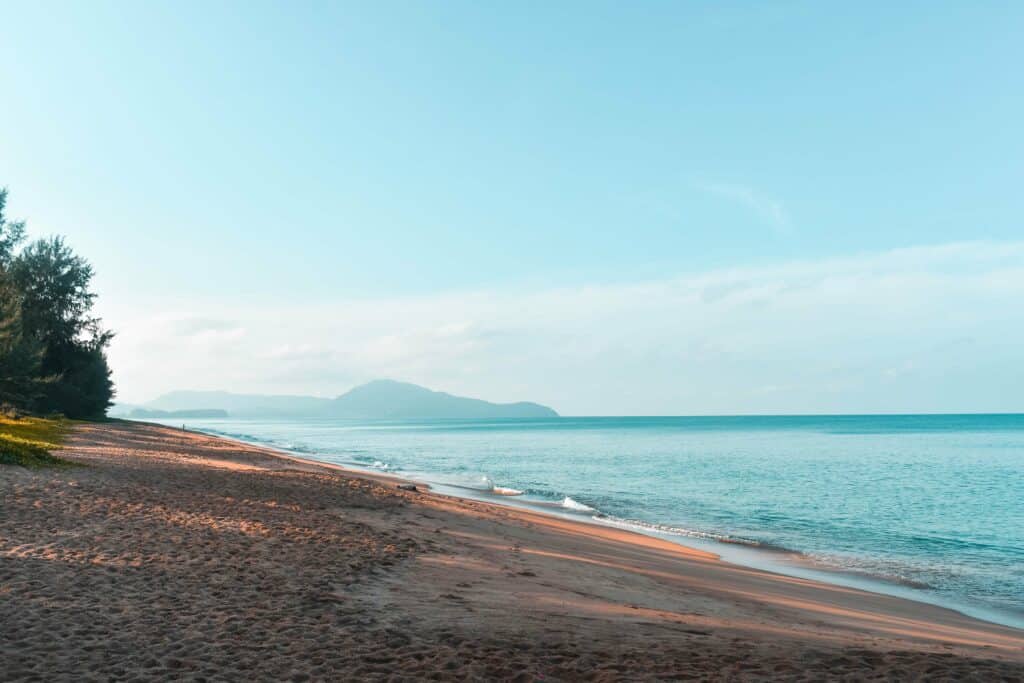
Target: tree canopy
{"type": "Point", "coordinates": [52, 348]}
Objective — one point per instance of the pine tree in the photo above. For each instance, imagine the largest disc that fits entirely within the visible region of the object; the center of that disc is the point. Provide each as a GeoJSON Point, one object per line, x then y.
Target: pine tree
{"type": "Point", "coordinates": [20, 357]}
{"type": "Point", "coordinates": [52, 349]}
{"type": "Point", "coordinates": [21, 381]}
{"type": "Point", "coordinates": [11, 233]}
{"type": "Point", "coordinates": [56, 303]}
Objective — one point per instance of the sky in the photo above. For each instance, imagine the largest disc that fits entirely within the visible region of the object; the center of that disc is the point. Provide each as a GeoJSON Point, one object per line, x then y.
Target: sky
{"type": "Point", "coordinates": [610, 208]}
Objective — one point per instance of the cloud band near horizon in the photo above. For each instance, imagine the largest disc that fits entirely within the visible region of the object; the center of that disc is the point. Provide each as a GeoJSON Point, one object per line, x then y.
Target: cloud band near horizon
{"type": "Point", "coordinates": [923, 329]}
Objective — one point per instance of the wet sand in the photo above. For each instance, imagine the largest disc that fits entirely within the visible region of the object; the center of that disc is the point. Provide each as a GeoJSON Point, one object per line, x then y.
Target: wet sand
{"type": "Point", "coordinates": [179, 556]}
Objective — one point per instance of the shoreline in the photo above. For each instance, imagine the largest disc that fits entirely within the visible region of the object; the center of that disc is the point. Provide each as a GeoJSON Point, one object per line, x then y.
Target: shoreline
{"type": "Point", "coordinates": [782, 561]}
{"type": "Point", "coordinates": [175, 554]}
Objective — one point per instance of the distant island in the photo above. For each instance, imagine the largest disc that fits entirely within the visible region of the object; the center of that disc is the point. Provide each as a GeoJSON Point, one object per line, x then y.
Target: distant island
{"type": "Point", "coordinates": [377, 400]}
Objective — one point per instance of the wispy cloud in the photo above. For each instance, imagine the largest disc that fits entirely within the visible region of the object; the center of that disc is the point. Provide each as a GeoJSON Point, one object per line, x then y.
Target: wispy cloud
{"type": "Point", "coordinates": [823, 336]}
{"type": "Point", "coordinates": [766, 207]}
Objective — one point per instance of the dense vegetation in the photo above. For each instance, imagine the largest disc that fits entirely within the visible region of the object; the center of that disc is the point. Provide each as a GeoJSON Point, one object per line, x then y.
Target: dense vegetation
{"type": "Point", "coordinates": [52, 349]}
{"type": "Point", "coordinates": [27, 441]}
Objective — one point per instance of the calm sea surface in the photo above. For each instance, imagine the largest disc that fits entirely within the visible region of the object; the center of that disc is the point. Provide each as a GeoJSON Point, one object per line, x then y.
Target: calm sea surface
{"type": "Point", "coordinates": [929, 506]}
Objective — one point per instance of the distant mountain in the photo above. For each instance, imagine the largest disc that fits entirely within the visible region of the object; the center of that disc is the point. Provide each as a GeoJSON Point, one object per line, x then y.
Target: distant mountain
{"type": "Point", "coordinates": [387, 399]}
{"type": "Point", "coordinates": [377, 400]}
{"type": "Point", "coordinates": [146, 413]}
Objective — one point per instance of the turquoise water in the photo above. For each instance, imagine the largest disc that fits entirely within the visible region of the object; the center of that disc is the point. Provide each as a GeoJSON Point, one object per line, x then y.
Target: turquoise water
{"type": "Point", "coordinates": [933, 505]}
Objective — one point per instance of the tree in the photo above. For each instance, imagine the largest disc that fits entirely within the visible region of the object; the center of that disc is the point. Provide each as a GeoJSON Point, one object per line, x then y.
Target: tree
{"type": "Point", "coordinates": [56, 304]}
{"type": "Point", "coordinates": [11, 233]}
{"type": "Point", "coordinates": [85, 388]}
{"type": "Point", "coordinates": [55, 296]}
{"type": "Point", "coordinates": [21, 382]}
{"type": "Point", "coordinates": [20, 357]}
{"type": "Point", "coordinates": [52, 348]}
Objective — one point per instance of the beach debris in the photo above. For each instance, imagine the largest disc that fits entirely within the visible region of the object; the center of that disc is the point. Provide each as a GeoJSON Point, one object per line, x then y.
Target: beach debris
{"type": "Point", "coordinates": [408, 487]}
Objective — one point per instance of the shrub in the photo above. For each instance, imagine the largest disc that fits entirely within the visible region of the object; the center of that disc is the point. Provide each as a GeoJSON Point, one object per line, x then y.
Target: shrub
{"type": "Point", "coordinates": [28, 441]}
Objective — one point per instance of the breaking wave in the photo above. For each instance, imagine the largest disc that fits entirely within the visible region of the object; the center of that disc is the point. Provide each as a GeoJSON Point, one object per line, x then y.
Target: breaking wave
{"type": "Point", "coordinates": [570, 504]}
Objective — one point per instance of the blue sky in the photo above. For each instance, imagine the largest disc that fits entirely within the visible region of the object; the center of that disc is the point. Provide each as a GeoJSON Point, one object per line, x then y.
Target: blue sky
{"type": "Point", "coordinates": [298, 197]}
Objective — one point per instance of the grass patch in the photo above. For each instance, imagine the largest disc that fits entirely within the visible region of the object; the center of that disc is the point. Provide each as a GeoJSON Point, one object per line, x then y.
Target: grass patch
{"type": "Point", "coordinates": [27, 441]}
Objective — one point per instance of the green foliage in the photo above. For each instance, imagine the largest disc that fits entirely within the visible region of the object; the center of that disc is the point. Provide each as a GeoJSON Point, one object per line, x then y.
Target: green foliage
{"type": "Point", "coordinates": [11, 233]}
{"type": "Point", "coordinates": [85, 389]}
{"type": "Point", "coordinates": [56, 302]}
{"type": "Point", "coordinates": [21, 355]}
{"type": "Point", "coordinates": [28, 441]}
{"type": "Point", "coordinates": [55, 296]}
{"type": "Point", "coordinates": [52, 349]}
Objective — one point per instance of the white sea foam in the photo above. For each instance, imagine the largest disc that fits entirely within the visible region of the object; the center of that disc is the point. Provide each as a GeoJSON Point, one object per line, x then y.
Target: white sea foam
{"type": "Point", "coordinates": [482, 483]}
{"type": "Point", "coordinates": [637, 525]}
{"type": "Point", "coordinates": [491, 487]}
{"type": "Point", "coordinates": [503, 491]}
{"type": "Point", "coordinates": [570, 504]}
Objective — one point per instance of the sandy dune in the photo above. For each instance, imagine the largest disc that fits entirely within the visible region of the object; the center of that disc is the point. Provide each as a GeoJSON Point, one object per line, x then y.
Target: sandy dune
{"type": "Point", "coordinates": [174, 555]}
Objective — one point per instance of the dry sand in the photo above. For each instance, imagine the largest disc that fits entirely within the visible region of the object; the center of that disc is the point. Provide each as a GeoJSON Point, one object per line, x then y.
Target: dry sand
{"type": "Point", "coordinates": [175, 555]}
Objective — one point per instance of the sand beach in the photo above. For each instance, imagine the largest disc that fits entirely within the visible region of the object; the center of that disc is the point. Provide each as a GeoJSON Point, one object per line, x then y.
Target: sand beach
{"type": "Point", "coordinates": [172, 555]}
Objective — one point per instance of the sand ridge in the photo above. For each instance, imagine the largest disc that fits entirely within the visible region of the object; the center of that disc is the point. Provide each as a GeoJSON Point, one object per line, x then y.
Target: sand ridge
{"type": "Point", "coordinates": [177, 556]}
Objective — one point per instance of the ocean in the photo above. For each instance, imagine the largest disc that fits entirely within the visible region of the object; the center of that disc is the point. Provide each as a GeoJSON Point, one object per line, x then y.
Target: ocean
{"type": "Point", "coordinates": [929, 507]}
